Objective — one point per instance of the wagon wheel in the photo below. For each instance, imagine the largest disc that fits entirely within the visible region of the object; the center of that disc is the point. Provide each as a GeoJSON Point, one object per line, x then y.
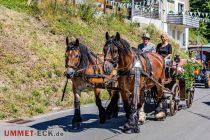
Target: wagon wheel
{"type": "Point", "coordinates": [190, 97]}
{"type": "Point", "coordinates": [173, 99]}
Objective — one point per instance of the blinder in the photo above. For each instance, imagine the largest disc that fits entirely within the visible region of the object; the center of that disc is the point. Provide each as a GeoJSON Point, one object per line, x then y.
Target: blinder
{"type": "Point", "coordinates": [114, 60]}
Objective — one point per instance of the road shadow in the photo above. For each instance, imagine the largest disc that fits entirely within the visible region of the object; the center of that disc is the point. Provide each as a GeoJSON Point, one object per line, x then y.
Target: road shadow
{"type": "Point", "coordinates": [201, 115]}
{"type": "Point", "coordinates": [207, 103]}
{"type": "Point", "coordinates": [90, 121]}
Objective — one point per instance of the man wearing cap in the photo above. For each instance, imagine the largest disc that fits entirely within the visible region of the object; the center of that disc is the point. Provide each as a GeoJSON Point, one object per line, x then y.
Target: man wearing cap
{"type": "Point", "coordinates": [146, 45]}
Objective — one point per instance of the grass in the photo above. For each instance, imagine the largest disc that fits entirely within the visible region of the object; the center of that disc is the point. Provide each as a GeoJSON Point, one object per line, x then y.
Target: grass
{"type": "Point", "coordinates": [33, 53]}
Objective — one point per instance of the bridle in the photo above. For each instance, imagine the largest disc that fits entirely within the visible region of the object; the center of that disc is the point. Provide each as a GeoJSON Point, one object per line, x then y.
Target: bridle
{"type": "Point", "coordinates": [77, 66]}
{"type": "Point", "coordinates": [115, 60]}
{"type": "Point", "coordinates": [72, 47]}
{"type": "Point", "coordinates": [109, 43]}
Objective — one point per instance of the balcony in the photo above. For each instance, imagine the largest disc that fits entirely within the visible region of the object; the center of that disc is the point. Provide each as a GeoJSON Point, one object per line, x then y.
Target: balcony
{"type": "Point", "coordinates": [182, 19]}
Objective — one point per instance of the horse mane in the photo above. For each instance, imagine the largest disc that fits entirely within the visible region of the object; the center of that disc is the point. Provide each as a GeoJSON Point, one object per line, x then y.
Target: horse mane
{"type": "Point", "coordinates": [86, 56]}
{"type": "Point", "coordinates": [126, 46]}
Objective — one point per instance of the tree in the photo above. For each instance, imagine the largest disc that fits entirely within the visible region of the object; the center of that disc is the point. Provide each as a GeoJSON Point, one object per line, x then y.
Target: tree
{"type": "Point", "coordinates": [202, 6]}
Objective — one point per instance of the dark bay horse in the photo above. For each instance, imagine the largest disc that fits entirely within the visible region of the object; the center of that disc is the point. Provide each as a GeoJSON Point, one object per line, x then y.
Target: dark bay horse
{"type": "Point", "coordinates": [118, 52]}
{"type": "Point", "coordinates": [83, 68]}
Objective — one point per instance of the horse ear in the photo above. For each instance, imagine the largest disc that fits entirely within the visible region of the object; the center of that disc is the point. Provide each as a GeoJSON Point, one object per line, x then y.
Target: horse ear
{"type": "Point", "coordinates": [118, 36]}
{"type": "Point", "coordinates": [77, 42]}
{"type": "Point", "coordinates": [67, 41]}
{"type": "Point", "coordinates": [107, 36]}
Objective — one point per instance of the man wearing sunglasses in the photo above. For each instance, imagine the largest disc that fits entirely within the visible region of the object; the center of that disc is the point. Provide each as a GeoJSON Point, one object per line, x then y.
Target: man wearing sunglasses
{"type": "Point", "coordinates": [146, 45]}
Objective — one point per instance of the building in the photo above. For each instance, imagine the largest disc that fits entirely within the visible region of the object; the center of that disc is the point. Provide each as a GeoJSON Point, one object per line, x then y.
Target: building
{"type": "Point", "coordinates": [106, 6]}
{"type": "Point", "coordinates": [170, 16]}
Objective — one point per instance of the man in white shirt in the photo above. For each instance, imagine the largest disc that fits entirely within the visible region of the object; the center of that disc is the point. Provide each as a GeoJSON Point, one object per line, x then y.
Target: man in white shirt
{"type": "Point", "coordinates": [146, 45]}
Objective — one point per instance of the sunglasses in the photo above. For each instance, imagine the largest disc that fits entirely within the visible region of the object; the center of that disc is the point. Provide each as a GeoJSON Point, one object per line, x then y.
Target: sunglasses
{"type": "Point", "coordinates": [144, 38]}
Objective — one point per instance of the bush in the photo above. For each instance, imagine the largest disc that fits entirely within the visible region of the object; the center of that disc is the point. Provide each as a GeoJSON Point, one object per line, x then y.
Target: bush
{"type": "Point", "coordinates": [86, 12]}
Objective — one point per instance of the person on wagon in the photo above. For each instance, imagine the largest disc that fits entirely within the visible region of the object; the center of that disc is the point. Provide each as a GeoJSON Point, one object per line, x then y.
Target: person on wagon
{"type": "Point", "coordinates": [164, 48]}
{"type": "Point", "coordinates": [146, 45]}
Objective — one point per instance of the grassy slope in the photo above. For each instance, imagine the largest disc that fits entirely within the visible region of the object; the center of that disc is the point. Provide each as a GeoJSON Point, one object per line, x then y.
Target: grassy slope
{"type": "Point", "coordinates": [32, 55]}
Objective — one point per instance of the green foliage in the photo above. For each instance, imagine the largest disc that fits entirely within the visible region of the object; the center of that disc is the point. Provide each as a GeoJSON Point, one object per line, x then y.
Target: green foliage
{"type": "Point", "coordinates": [86, 12]}
{"type": "Point", "coordinates": [204, 30]}
{"type": "Point", "coordinates": [35, 93]}
{"type": "Point", "coordinates": [2, 115]}
{"type": "Point", "coordinates": [195, 38]}
{"type": "Point", "coordinates": [19, 5]}
{"type": "Point", "coordinates": [188, 73]}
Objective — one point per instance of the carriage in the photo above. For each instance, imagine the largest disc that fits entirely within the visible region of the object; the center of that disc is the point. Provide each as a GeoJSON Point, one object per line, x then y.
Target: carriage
{"type": "Point", "coordinates": [179, 89]}
{"type": "Point", "coordinates": [202, 75]}
{"type": "Point", "coordinates": [133, 80]}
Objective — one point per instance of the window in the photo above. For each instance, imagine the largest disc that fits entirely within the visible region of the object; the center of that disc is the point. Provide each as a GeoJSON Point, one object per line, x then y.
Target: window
{"type": "Point", "coordinates": [178, 35]}
{"type": "Point", "coordinates": [184, 43]}
{"type": "Point", "coordinates": [173, 33]}
{"type": "Point", "coordinates": [180, 8]}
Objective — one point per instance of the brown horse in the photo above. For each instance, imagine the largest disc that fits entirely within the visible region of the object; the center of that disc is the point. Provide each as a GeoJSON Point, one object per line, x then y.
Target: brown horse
{"type": "Point", "coordinates": [84, 72]}
{"type": "Point", "coordinates": [118, 52]}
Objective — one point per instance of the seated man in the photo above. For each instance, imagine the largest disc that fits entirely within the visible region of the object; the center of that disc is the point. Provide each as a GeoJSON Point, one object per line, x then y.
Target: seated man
{"type": "Point", "coordinates": [146, 46]}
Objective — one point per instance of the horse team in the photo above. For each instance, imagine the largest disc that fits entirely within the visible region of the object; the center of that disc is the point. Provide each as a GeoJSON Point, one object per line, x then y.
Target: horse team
{"type": "Point", "coordinates": [85, 69]}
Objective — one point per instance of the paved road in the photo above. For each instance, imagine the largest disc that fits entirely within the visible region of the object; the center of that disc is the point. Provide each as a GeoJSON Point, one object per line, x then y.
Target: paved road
{"type": "Point", "coordinates": [187, 124]}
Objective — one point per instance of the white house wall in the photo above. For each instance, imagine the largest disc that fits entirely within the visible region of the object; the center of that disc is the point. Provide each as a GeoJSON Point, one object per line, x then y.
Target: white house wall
{"type": "Point", "coordinates": [181, 34]}
{"type": "Point", "coordinates": [144, 20]}
{"type": "Point", "coordinates": [165, 8]}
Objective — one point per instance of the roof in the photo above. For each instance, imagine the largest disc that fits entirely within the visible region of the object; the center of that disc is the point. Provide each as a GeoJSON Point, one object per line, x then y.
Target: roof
{"type": "Point", "coordinates": [205, 48]}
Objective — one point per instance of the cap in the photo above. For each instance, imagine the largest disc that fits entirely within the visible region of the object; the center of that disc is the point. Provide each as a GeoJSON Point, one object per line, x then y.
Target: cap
{"type": "Point", "coordinates": [146, 35]}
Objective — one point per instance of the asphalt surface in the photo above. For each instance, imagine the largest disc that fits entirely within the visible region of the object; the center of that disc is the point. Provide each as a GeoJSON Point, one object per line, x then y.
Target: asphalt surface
{"type": "Point", "coordinates": [187, 124]}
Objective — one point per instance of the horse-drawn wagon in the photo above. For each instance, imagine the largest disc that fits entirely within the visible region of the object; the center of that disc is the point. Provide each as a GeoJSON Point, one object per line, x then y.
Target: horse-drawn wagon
{"type": "Point", "coordinates": [181, 88]}
{"type": "Point", "coordinates": [178, 87]}
{"type": "Point", "coordinates": [132, 80]}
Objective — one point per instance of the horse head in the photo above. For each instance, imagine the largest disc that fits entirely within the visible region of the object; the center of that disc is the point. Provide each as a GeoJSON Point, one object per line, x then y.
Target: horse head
{"type": "Point", "coordinates": [73, 57]}
{"type": "Point", "coordinates": [113, 48]}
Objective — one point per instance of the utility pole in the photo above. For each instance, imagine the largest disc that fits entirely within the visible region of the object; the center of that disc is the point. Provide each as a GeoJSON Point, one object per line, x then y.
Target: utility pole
{"type": "Point", "coordinates": [132, 10]}
{"type": "Point", "coordinates": [105, 6]}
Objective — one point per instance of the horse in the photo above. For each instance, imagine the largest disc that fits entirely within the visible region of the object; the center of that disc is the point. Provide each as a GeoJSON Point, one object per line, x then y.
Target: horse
{"type": "Point", "coordinates": [118, 52]}
{"type": "Point", "coordinates": [84, 72]}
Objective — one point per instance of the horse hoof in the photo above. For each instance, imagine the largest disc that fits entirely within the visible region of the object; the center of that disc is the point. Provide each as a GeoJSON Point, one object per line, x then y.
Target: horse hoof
{"type": "Point", "coordinates": [160, 116]}
{"type": "Point", "coordinates": [142, 118]}
{"type": "Point", "coordinates": [136, 130]}
{"type": "Point", "coordinates": [141, 122]}
{"type": "Point", "coordinates": [76, 125]}
{"type": "Point", "coordinates": [130, 130]}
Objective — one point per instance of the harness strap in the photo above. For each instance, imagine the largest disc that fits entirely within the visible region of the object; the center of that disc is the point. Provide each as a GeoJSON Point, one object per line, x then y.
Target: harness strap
{"type": "Point", "coordinates": [137, 83]}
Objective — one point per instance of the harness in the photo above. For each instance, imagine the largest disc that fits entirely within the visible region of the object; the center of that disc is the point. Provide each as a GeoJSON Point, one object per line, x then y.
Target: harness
{"type": "Point", "coordinates": [80, 72]}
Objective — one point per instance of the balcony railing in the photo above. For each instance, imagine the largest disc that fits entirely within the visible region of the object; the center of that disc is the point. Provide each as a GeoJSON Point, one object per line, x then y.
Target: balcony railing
{"type": "Point", "coordinates": [153, 15]}
{"type": "Point", "coordinates": [182, 19]}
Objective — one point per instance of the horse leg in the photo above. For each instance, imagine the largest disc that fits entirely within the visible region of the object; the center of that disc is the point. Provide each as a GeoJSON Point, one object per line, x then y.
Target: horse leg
{"type": "Point", "coordinates": [132, 115]}
{"type": "Point", "coordinates": [161, 110]}
{"type": "Point", "coordinates": [142, 114]}
{"type": "Point", "coordinates": [112, 109]}
{"type": "Point", "coordinates": [77, 115]}
{"type": "Point", "coordinates": [102, 111]}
